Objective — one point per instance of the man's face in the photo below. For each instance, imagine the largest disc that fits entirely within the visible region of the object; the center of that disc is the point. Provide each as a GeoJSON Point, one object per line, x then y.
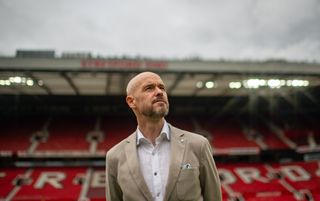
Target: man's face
{"type": "Point", "coordinates": [151, 97]}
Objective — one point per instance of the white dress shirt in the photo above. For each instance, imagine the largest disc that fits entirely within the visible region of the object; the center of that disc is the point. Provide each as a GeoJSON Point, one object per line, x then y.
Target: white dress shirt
{"type": "Point", "coordinates": [154, 161]}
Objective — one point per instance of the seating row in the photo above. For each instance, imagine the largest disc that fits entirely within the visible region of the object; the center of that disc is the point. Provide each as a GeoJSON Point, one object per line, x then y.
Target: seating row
{"type": "Point", "coordinates": [92, 135]}
{"type": "Point", "coordinates": [239, 181]}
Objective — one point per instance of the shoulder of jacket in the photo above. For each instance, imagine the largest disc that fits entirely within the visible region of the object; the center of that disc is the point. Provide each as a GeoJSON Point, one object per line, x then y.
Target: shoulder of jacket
{"type": "Point", "coordinates": [118, 149]}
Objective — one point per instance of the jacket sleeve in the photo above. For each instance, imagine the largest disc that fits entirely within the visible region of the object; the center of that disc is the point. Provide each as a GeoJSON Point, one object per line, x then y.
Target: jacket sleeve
{"type": "Point", "coordinates": [113, 190]}
{"type": "Point", "coordinates": [209, 178]}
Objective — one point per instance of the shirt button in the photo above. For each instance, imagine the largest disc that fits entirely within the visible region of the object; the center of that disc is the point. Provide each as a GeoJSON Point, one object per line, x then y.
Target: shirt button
{"type": "Point", "coordinates": [158, 194]}
{"type": "Point", "coordinates": [153, 153]}
{"type": "Point", "coordinates": [155, 174]}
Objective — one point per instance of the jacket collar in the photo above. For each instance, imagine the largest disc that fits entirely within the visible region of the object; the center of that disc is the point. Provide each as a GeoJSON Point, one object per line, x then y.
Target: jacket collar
{"type": "Point", "coordinates": [165, 132]}
{"type": "Point", "coordinates": [134, 166]}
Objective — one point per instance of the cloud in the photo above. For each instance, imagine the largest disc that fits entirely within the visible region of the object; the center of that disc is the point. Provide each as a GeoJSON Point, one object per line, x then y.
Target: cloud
{"type": "Point", "coordinates": [212, 29]}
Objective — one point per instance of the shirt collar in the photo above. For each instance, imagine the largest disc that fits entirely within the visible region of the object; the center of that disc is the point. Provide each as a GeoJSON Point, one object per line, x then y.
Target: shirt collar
{"type": "Point", "coordinates": [164, 131]}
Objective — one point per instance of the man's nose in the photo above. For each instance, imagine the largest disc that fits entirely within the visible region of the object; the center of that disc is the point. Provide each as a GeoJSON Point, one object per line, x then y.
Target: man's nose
{"type": "Point", "coordinates": [159, 91]}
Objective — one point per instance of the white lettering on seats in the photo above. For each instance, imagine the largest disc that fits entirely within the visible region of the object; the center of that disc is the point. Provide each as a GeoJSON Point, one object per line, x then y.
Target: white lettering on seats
{"type": "Point", "coordinates": [52, 178]}
{"type": "Point", "coordinates": [295, 173]}
{"type": "Point", "coordinates": [226, 176]}
{"type": "Point", "coordinates": [98, 179]}
{"type": "Point", "coordinates": [248, 175]}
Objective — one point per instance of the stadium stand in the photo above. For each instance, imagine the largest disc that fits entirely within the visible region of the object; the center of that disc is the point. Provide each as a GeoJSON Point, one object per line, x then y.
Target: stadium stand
{"type": "Point", "coordinates": [59, 116]}
{"type": "Point", "coordinates": [258, 181]}
{"type": "Point", "coordinates": [96, 135]}
{"type": "Point", "coordinates": [240, 181]}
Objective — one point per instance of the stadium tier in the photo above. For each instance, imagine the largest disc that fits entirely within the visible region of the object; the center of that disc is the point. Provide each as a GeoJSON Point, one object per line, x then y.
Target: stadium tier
{"type": "Point", "coordinates": [241, 181]}
{"type": "Point", "coordinates": [62, 135]}
{"type": "Point", "coordinates": [60, 115]}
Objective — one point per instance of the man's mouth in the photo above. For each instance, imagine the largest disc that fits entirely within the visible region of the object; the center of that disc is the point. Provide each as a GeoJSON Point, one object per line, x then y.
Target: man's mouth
{"type": "Point", "coordinates": [159, 101]}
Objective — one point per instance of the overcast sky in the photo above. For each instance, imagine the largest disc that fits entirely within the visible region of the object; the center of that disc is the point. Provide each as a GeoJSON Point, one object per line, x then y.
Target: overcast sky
{"type": "Point", "coordinates": [209, 29]}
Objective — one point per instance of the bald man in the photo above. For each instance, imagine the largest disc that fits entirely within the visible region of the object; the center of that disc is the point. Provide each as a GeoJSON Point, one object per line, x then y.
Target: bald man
{"type": "Point", "coordinates": [159, 162]}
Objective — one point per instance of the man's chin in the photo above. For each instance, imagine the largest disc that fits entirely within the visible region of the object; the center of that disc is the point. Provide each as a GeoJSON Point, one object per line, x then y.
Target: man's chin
{"type": "Point", "coordinates": [158, 113]}
{"type": "Point", "coordinates": [162, 113]}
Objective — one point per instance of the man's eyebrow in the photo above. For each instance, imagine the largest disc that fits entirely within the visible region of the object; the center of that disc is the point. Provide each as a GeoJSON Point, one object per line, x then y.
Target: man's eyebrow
{"type": "Point", "coordinates": [147, 85]}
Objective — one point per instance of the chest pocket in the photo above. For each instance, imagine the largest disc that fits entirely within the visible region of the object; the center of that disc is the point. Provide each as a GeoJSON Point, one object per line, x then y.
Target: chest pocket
{"type": "Point", "coordinates": [188, 185]}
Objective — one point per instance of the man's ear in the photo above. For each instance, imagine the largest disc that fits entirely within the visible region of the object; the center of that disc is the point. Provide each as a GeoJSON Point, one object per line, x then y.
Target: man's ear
{"type": "Point", "coordinates": [131, 101]}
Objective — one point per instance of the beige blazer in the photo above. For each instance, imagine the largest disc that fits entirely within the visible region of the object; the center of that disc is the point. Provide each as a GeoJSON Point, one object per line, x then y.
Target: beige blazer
{"type": "Point", "coordinates": [192, 172]}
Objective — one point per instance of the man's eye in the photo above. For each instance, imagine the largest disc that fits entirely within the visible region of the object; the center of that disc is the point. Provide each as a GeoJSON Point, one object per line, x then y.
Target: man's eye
{"type": "Point", "coordinates": [162, 88]}
{"type": "Point", "coordinates": [148, 88]}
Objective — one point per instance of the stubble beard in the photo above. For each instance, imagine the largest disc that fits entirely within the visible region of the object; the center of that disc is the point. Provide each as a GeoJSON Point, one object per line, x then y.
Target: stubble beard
{"type": "Point", "coordinates": [157, 113]}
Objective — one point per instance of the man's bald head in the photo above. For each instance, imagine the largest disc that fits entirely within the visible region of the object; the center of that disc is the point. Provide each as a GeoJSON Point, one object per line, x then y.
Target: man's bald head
{"type": "Point", "coordinates": [136, 81]}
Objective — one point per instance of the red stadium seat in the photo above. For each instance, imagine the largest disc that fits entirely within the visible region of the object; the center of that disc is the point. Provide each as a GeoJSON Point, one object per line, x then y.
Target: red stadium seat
{"type": "Point", "coordinates": [16, 134]}
{"type": "Point", "coordinates": [240, 181]}
{"type": "Point", "coordinates": [68, 134]}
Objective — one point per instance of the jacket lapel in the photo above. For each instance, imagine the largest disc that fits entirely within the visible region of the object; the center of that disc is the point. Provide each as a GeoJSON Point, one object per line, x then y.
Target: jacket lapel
{"type": "Point", "coordinates": [133, 163]}
{"type": "Point", "coordinates": [178, 144]}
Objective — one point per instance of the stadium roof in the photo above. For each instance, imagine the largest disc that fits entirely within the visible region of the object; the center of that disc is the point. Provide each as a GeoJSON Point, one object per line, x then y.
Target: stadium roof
{"type": "Point", "coordinates": [44, 74]}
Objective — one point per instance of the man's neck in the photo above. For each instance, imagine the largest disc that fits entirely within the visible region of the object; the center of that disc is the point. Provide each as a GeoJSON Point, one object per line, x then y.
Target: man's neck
{"type": "Point", "coordinates": [151, 129]}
